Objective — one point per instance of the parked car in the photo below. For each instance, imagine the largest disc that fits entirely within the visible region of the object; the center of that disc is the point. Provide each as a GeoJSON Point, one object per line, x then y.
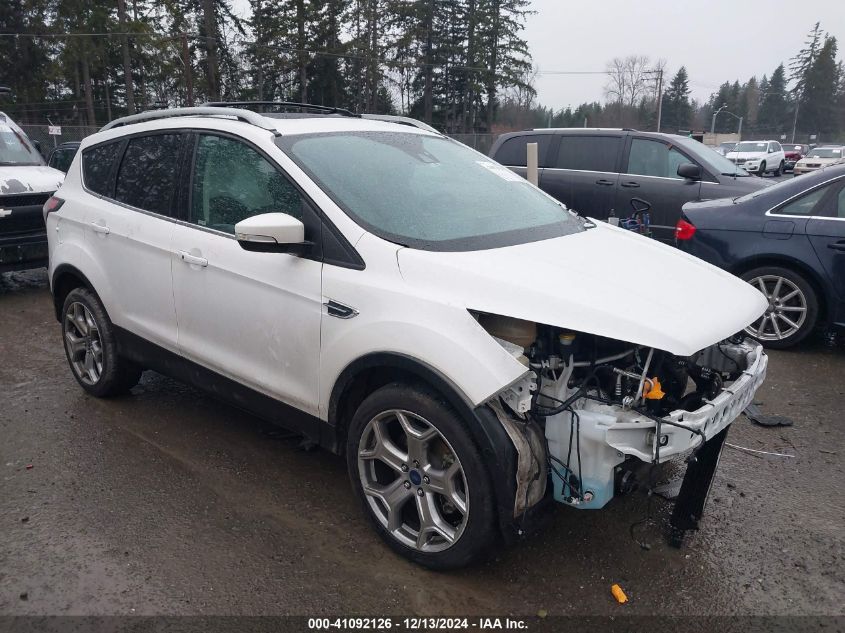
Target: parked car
{"type": "Point", "coordinates": [724, 148]}
{"type": "Point", "coordinates": [820, 157]}
{"type": "Point", "coordinates": [759, 157]}
{"type": "Point", "coordinates": [794, 153]}
{"type": "Point", "coordinates": [599, 172]}
{"type": "Point", "coordinates": [436, 322]}
{"type": "Point", "coordinates": [25, 185]}
{"type": "Point", "coordinates": [788, 241]}
{"type": "Point", "coordinates": [61, 156]}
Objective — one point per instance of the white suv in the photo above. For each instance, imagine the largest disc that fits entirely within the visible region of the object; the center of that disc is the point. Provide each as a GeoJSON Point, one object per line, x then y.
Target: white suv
{"type": "Point", "coordinates": [398, 298]}
{"type": "Point", "coordinates": [759, 157]}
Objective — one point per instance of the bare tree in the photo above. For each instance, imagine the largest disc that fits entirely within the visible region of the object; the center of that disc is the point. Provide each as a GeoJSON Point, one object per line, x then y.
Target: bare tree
{"type": "Point", "coordinates": [627, 79]}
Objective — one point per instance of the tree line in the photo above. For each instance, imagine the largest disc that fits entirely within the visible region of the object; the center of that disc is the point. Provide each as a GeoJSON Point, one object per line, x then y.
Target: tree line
{"type": "Point", "coordinates": [448, 62]}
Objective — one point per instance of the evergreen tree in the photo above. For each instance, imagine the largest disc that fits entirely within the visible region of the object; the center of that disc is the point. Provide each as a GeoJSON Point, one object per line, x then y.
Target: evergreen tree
{"type": "Point", "coordinates": [677, 111]}
{"type": "Point", "coordinates": [773, 115]}
{"type": "Point", "coordinates": [817, 105]}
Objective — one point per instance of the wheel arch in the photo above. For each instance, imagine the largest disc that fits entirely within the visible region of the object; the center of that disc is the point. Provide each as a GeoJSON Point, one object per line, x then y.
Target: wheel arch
{"type": "Point", "coordinates": [795, 265]}
{"type": "Point", "coordinates": [368, 373]}
{"type": "Point", "coordinates": [65, 278]}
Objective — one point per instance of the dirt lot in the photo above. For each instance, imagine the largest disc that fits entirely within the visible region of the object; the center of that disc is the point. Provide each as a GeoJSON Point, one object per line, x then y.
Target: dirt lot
{"type": "Point", "coordinates": [167, 502]}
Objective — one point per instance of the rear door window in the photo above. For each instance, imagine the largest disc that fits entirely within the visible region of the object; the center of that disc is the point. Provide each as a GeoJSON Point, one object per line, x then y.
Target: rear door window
{"type": "Point", "coordinates": [588, 153]}
{"type": "Point", "coordinates": [149, 172]}
{"type": "Point", "coordinates": [513, 152]}
{"type": "Point", "coordinates": [805, 204]}
{"type": "Point", "coordinates": [97, 164]}
{"type": "Point", "coordinates": [654, 158]}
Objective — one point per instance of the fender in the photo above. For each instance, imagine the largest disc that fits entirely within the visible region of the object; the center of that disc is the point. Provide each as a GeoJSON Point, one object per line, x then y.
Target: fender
{"type": "Point", "coordinates": [96, 280]}
{"type": "Point", "coordinates": [487, 432]}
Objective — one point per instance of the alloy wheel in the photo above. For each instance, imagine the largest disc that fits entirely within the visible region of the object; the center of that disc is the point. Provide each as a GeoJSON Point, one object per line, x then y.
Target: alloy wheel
{"type": "Point", "coordinates": [787, 309]}
{"type": "Point", "coordinates": [413, 481]}
{"type": "Point", "coordinates": [83, 343]}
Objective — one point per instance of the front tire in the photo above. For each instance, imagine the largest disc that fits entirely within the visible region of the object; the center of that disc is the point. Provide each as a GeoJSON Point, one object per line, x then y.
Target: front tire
{"type": "Point", "coordinates": [91, 347]}
{"type": "Point", "coordinates": [762, 172]}
{"type": "Point", "coordinates": [793, 307]}
{"type": "Point", "coordinates": [420, 477]}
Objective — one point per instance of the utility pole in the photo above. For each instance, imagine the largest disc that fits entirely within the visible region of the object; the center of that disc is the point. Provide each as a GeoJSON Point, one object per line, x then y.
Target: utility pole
{"type": "Point", "coordinates": [659, 97]}
{"type": "Point", "coordinates": [186, 62]}
{"type": "Point", "coordinates": [795, 120]}
{"type": "Point", "coordinates": [715, 114]}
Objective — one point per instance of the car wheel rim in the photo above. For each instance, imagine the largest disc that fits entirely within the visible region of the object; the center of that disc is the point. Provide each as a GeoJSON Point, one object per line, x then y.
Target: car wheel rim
{"type": "Point", "coordinates": [787, 309]}
{"type": "Point", "coordinates": [413, 481]}
{"type": "Point", "coordinates": [83, 343]}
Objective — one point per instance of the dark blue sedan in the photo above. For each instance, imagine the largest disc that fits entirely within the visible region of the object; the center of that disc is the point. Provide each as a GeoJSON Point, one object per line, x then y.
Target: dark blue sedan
{"type": "Point", "coordinates": [789, 241]}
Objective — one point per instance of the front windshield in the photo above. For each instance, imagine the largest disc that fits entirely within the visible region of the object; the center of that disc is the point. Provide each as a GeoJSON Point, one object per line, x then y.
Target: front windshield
{"type": "Point", "coordinates": [16, 148]}
{"type": "Point", "coordinates": [428, 192]}
{"type": "Point", "coordinates": [751, 146]}
{"type": "Point", "coordinates": [826, 152]}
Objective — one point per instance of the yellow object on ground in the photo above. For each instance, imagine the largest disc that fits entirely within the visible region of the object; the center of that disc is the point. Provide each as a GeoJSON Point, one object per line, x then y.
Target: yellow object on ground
{"type": "Point", "coordinates": [617, 592]}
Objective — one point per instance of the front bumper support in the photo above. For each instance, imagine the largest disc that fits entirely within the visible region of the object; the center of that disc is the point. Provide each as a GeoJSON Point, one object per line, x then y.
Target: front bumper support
{"type": "Point", "coordinates": [689, 506]}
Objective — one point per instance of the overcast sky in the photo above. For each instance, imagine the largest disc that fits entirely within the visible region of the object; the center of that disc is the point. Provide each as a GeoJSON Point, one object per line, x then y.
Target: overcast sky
{"type": "Point", "coordinates": [716, 40]}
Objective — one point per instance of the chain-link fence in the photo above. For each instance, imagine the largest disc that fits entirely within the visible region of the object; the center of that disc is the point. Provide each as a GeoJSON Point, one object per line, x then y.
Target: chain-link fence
{"type": "Point", "coordinates": [41, 134]}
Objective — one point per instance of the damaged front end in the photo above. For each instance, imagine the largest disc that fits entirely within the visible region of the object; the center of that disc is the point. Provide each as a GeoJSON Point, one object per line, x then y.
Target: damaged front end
{"type": "Point", "coordinates": [590, 412]}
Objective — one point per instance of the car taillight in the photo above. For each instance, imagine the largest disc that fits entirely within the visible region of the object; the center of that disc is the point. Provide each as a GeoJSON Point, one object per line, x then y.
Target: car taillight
{"type": "Point", "coordinates": [684, 230]}
{"type": "Point", "coordinates": [53, 204]}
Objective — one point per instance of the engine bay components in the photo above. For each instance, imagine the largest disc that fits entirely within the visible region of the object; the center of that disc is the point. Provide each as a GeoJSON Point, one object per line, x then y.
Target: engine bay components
{"type": "Point", "coordinates": [605, 405]}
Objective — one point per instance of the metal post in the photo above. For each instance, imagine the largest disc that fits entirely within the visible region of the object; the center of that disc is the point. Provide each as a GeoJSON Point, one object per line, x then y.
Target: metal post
{"type": "Point", "coordinates": [739, 131]}
{"type": "Point", "coordinates": [795, 121]}
{"type": "Point", "coordinates": [532, 163]}
{"type": "Point", "coordinates": [659, 97]}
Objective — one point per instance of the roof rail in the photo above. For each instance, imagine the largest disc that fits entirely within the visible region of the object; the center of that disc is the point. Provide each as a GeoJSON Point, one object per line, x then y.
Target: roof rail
{"type": "Point", "coordinates": [284, 104]}
{"type": "Point", "coordinates": [246, 116]}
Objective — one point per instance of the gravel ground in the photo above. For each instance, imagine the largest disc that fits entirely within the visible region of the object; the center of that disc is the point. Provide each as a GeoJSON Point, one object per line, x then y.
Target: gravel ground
{"type": "Point", "coordinates": [167, 502]}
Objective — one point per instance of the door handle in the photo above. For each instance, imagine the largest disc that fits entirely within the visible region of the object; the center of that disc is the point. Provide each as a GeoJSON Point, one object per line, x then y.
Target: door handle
{"type": "Point", "coordinates": [100, 228]}
{"type": "Point", "coordinates": [837, 246]}
{"type": "Point", "coordinates": [194, 260]}
{"type": "Point", "coordinates": [631, 184]}
{"type": "Point", "coordinates": [604, 183]}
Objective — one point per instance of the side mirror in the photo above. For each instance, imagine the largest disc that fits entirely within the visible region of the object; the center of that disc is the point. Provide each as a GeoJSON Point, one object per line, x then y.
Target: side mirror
{"type": "Point", "coordinates": [38, 147]}
{"type": "Point", "coordinates": [272, 233]}
{"type": "Point", "coordinates": [690, 171]}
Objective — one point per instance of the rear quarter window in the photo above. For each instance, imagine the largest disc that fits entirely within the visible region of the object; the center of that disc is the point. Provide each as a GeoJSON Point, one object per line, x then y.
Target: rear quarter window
{"type": "Point", "coordinates": [149, 171]}
{"type": "Point", "coordinates": [97, 165]}
{"type": "Point", "coordinates": [513, 151]}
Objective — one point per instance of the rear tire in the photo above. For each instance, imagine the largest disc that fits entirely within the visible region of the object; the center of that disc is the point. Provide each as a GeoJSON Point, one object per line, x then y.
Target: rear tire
{"type": "Point", "coordinates": [779, 170]}
{"type": "Point", "coordinates": [91, 347]}
{"type": "Point", "coordinates": [793, 307]}
{"type": "Point", "coordinates": [429, 494]}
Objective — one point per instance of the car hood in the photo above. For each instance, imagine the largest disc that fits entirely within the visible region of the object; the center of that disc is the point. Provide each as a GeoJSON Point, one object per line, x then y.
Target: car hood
{"type": "Point", "coordinates": [604, 281]}
{"type": "Point", "coordinates": [819, 161]}
{"type": "Point", "coordinates": [746, 155]}
{"type": "Point", "coordinates": [29, 179]}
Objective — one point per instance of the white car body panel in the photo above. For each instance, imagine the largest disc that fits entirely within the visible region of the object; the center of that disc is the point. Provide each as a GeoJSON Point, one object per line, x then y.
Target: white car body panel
{"type": "Point", "coordinates": [29, 179]}
{"type": "Point", "coordinates": [604, 281]}
{"type": "Point", "coordinates": [407, 319]}
{"type": "Point", "coordinates": [222, 304]}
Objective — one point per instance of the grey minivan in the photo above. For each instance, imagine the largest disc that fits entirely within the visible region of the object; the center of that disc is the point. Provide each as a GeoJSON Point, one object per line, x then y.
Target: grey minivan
{"type": "Point", "coordinates": [596, 171]}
